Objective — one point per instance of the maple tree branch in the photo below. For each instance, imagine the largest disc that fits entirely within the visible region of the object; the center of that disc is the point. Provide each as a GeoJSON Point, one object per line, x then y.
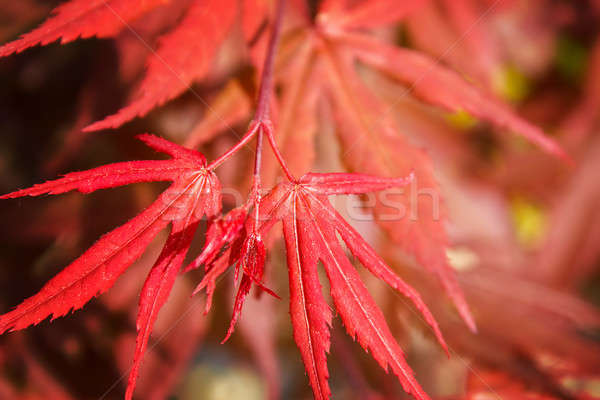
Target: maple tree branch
{"type": "Point", "coordinates": [264, 95]}
{"type": "Point", "coordinates": [258, 154]}
{"type": "Point", "coordinates": [262, 108]}
{"type": "Point", "coordinates": [261, 116]}
{"type": "Point", "coordinates": [256, 184]}
{"type": "Point", "coordinates": [266, 79]}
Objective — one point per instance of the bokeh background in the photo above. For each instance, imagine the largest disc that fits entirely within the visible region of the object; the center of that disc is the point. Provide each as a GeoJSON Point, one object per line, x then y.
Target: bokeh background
{"type": "Point", "coordinates": [524, 226]}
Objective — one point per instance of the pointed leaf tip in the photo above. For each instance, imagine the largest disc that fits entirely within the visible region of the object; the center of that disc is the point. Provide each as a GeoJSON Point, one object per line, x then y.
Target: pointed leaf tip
{"type": "Point", "coordinates": [81, 18]}
{"type": "Point", "coordinates": [311, 234]}
{"type": "Point", "coordinates": [251, 261]}
{"type": "Point", "coordinates": [443, 87]}
{"type": "Point", "coordinates": [174, 150]}
{"type": "Point", "coordinates": [191, 197]}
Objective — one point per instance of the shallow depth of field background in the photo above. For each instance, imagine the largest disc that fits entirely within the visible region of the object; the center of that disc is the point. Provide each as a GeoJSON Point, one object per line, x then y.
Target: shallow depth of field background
{"type": "Point", "coordinates": [525, 227]}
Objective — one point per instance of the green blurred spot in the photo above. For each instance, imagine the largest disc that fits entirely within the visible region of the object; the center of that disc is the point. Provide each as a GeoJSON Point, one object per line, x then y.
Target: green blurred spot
{"type": "Point", "coordinates": [462, 120]}
{"type": "Point", "coordinates": [593, 388]}
{"type": "Point", "coordinates": [529, 220]}
{"type": "Point", "coordinates": [590, 388]}
{"type": "Point", "coordinates": [511, 84]}
{"type": "Point", "coordinates": [231, 383]}
{"type": "Point", "coordinates": [571, 58]}
{"type": "Point", "coordinates": [571, 384]}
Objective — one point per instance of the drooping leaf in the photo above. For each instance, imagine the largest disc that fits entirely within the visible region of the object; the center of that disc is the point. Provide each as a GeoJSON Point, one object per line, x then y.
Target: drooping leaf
{"type": "Point", "coordinates": [371, 144]}
{"type": "Point", "coordinates": [443, 87]}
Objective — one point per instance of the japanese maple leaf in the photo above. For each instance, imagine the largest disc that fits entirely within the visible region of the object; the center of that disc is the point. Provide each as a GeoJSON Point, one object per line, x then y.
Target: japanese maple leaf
{"type": "Point", "coordinates": [82, 18]}
{"type": "Point", "coordinates": [311, 227]}
{"type": "Point", "coordinates": [183, 55]}
{"type": "Point", "coordinates": [194, 193]}
{"type": "Point", "coordinates": [244, 249]}
{"type": "Point", "coordinates": [326, 55]}
{"type": "Point", "coordinates": [221, 234]}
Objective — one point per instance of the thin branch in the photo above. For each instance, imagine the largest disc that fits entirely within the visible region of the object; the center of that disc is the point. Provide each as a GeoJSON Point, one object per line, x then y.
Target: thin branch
{"type": "Point", "coordinates": [266, 81]}
{"type": "Point", "coordinates": [261, 116]}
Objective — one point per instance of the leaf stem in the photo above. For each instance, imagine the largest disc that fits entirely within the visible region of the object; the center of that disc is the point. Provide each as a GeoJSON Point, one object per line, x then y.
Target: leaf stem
{"type": "Point", "coordinates": [258, 155]}
{"type": "Point", "coordinates": [247, 137]}
{"type": "Point", "coordinates": [256, 184]}
{"type": "Point", "coordinates": [261, 121]}
{"type": "Point", "coordinates": [278, 155]}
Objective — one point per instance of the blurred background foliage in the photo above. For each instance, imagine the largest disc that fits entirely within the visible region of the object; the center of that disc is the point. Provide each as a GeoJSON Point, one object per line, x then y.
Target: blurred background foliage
{"type": "Point", "coordinates": [525, 228]}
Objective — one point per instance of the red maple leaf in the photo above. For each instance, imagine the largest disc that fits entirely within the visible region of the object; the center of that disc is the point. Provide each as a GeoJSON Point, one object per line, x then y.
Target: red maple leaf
{"type": "Point", "coordinates": [326, 52]}
{"type": "Point", "coordinates": [82, 18]}
{"type": "Point", "coordinates": [310, 227]}
{"type": "Point", "coordinates": [195, 193]}
{"type": "Point", "coordinates": [183, 55]}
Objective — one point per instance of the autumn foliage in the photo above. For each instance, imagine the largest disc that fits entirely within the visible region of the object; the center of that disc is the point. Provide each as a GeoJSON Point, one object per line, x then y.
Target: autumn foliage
{"type": "Point", "coordinates": [404, 106]}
